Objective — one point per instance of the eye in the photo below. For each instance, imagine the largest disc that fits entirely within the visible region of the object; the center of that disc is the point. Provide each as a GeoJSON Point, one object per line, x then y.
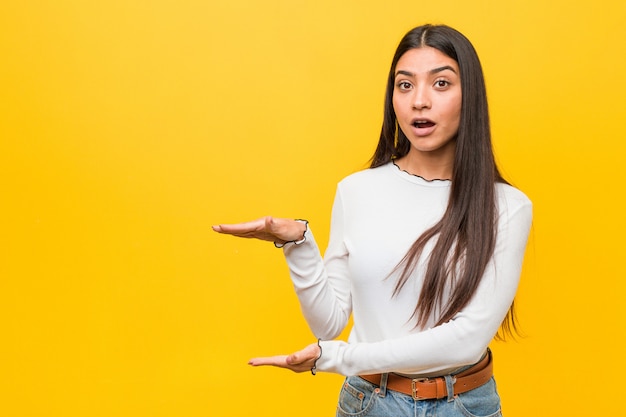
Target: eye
{"type": "Point", "coordinates": [404, 85]}
{"type": "Point", "coordinates": [442, 84]}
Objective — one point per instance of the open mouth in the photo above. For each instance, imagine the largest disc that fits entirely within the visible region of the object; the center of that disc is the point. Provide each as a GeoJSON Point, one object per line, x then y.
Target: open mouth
{"type": "Point", "coordinates": [421, 124]}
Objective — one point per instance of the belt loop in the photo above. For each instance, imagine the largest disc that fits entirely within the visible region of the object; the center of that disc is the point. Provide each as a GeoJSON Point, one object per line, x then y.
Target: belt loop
{"type": "Point", "coordinates": [383, 385]}
{"type": "Point", "coordinates": [450, 381]}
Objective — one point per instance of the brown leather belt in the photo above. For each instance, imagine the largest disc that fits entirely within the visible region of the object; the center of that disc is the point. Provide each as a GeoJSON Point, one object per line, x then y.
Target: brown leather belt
{"type": "Point", "coordinates": [435, 388]}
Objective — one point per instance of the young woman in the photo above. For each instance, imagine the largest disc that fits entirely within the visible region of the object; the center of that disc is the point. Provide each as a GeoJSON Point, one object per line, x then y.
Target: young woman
{"type": "Point", "coordinates": [425, 250]}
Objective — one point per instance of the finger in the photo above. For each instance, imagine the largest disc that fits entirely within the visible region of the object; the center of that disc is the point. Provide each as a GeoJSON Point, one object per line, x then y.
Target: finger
{"type": "Point", "coordinates": [224, 229]}
{"type": "Point", "coordinates": [234, 228]}
{"type": "Point", "coordinates": [241, 229]}
{"type": "Point", "coordinates": [279, 360]}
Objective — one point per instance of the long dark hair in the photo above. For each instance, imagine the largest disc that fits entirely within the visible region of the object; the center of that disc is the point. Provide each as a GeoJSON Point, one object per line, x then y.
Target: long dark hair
{"type": "Point", "coordinates": [466, 234]}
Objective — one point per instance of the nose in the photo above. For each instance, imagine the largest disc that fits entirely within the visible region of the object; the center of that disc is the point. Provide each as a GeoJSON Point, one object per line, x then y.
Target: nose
{"type": "Point", "coordinates": [421, 98]}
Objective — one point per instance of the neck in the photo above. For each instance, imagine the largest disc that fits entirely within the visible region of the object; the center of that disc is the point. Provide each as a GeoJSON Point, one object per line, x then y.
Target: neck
{"type": "Point", "coordinates": [429, 167]}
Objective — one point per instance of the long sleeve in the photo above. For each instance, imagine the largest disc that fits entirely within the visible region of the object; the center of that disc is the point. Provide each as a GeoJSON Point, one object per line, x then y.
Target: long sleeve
{"type": "Point", "coordinates": [459, 342]}
{"type": "Point", "coordinates": [322, 287]}
{"type": "Point", "coordinates": [377, 215]}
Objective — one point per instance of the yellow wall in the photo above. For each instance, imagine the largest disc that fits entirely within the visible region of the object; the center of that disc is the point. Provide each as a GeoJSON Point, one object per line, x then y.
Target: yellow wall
{"type": "Point", "coordinates": [128, 128]}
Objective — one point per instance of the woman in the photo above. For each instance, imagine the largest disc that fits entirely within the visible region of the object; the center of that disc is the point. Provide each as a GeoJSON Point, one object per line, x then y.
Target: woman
{"type": "Point", "coordinates": [425, 248]}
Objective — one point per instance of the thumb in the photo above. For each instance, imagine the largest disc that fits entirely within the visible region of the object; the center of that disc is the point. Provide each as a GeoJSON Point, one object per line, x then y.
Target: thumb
{"type": "Point", "coordinates": [294, 359]}
{"type": "Point", "coordinates": [269, 223]}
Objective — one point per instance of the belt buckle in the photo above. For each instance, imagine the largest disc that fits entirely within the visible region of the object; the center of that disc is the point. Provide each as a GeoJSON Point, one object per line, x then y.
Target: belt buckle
{"type": "Point", "coordinates": [414, 390]}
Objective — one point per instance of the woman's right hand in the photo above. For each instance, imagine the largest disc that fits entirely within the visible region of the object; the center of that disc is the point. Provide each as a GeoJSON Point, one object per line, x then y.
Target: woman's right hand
{"type": "Point", "coordinates": [268, 228]}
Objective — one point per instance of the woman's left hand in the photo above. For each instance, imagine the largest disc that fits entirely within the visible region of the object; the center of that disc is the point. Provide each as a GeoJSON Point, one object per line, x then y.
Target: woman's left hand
{"type": "Point", "coordinates": [301, 361]}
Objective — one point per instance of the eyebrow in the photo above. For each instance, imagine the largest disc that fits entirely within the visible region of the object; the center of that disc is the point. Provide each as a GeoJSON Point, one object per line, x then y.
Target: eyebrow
{"type": "Point", "coordinates": [431, 72]}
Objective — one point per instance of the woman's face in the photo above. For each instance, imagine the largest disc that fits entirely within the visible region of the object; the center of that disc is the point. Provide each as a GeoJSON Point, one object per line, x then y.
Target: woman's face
{"type": "Point", "coordinates": [427, 100]}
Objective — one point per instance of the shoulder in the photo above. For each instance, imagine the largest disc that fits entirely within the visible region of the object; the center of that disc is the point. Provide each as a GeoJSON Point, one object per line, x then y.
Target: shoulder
{"type": "Point", "coordinates": [366, 178]}
{"type": "Point", "coordinates": [511, 194]}
{"type": "Point", "coordinates": [512, 200]}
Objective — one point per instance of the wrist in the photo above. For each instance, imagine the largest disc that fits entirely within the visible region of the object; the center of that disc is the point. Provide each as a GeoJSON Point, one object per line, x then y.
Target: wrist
{"type": "Point", "coordinates": [314, 368]}
{"type": "Point", "coordinates": [303, 226]}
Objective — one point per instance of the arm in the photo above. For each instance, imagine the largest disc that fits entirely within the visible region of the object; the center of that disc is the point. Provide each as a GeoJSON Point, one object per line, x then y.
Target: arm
{"type": "Point", "coordinates": [462, 340]}
{"type": "Point", "coordinates": [322, 285]}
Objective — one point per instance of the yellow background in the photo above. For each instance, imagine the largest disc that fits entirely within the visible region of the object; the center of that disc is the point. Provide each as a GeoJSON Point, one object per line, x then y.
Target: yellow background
{"type": "Point", "coordinates": [129, 127]}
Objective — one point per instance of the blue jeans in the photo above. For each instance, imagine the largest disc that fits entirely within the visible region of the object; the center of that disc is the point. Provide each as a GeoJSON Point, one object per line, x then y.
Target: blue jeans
{"type": "Point", "coordinates": [359, 397]}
